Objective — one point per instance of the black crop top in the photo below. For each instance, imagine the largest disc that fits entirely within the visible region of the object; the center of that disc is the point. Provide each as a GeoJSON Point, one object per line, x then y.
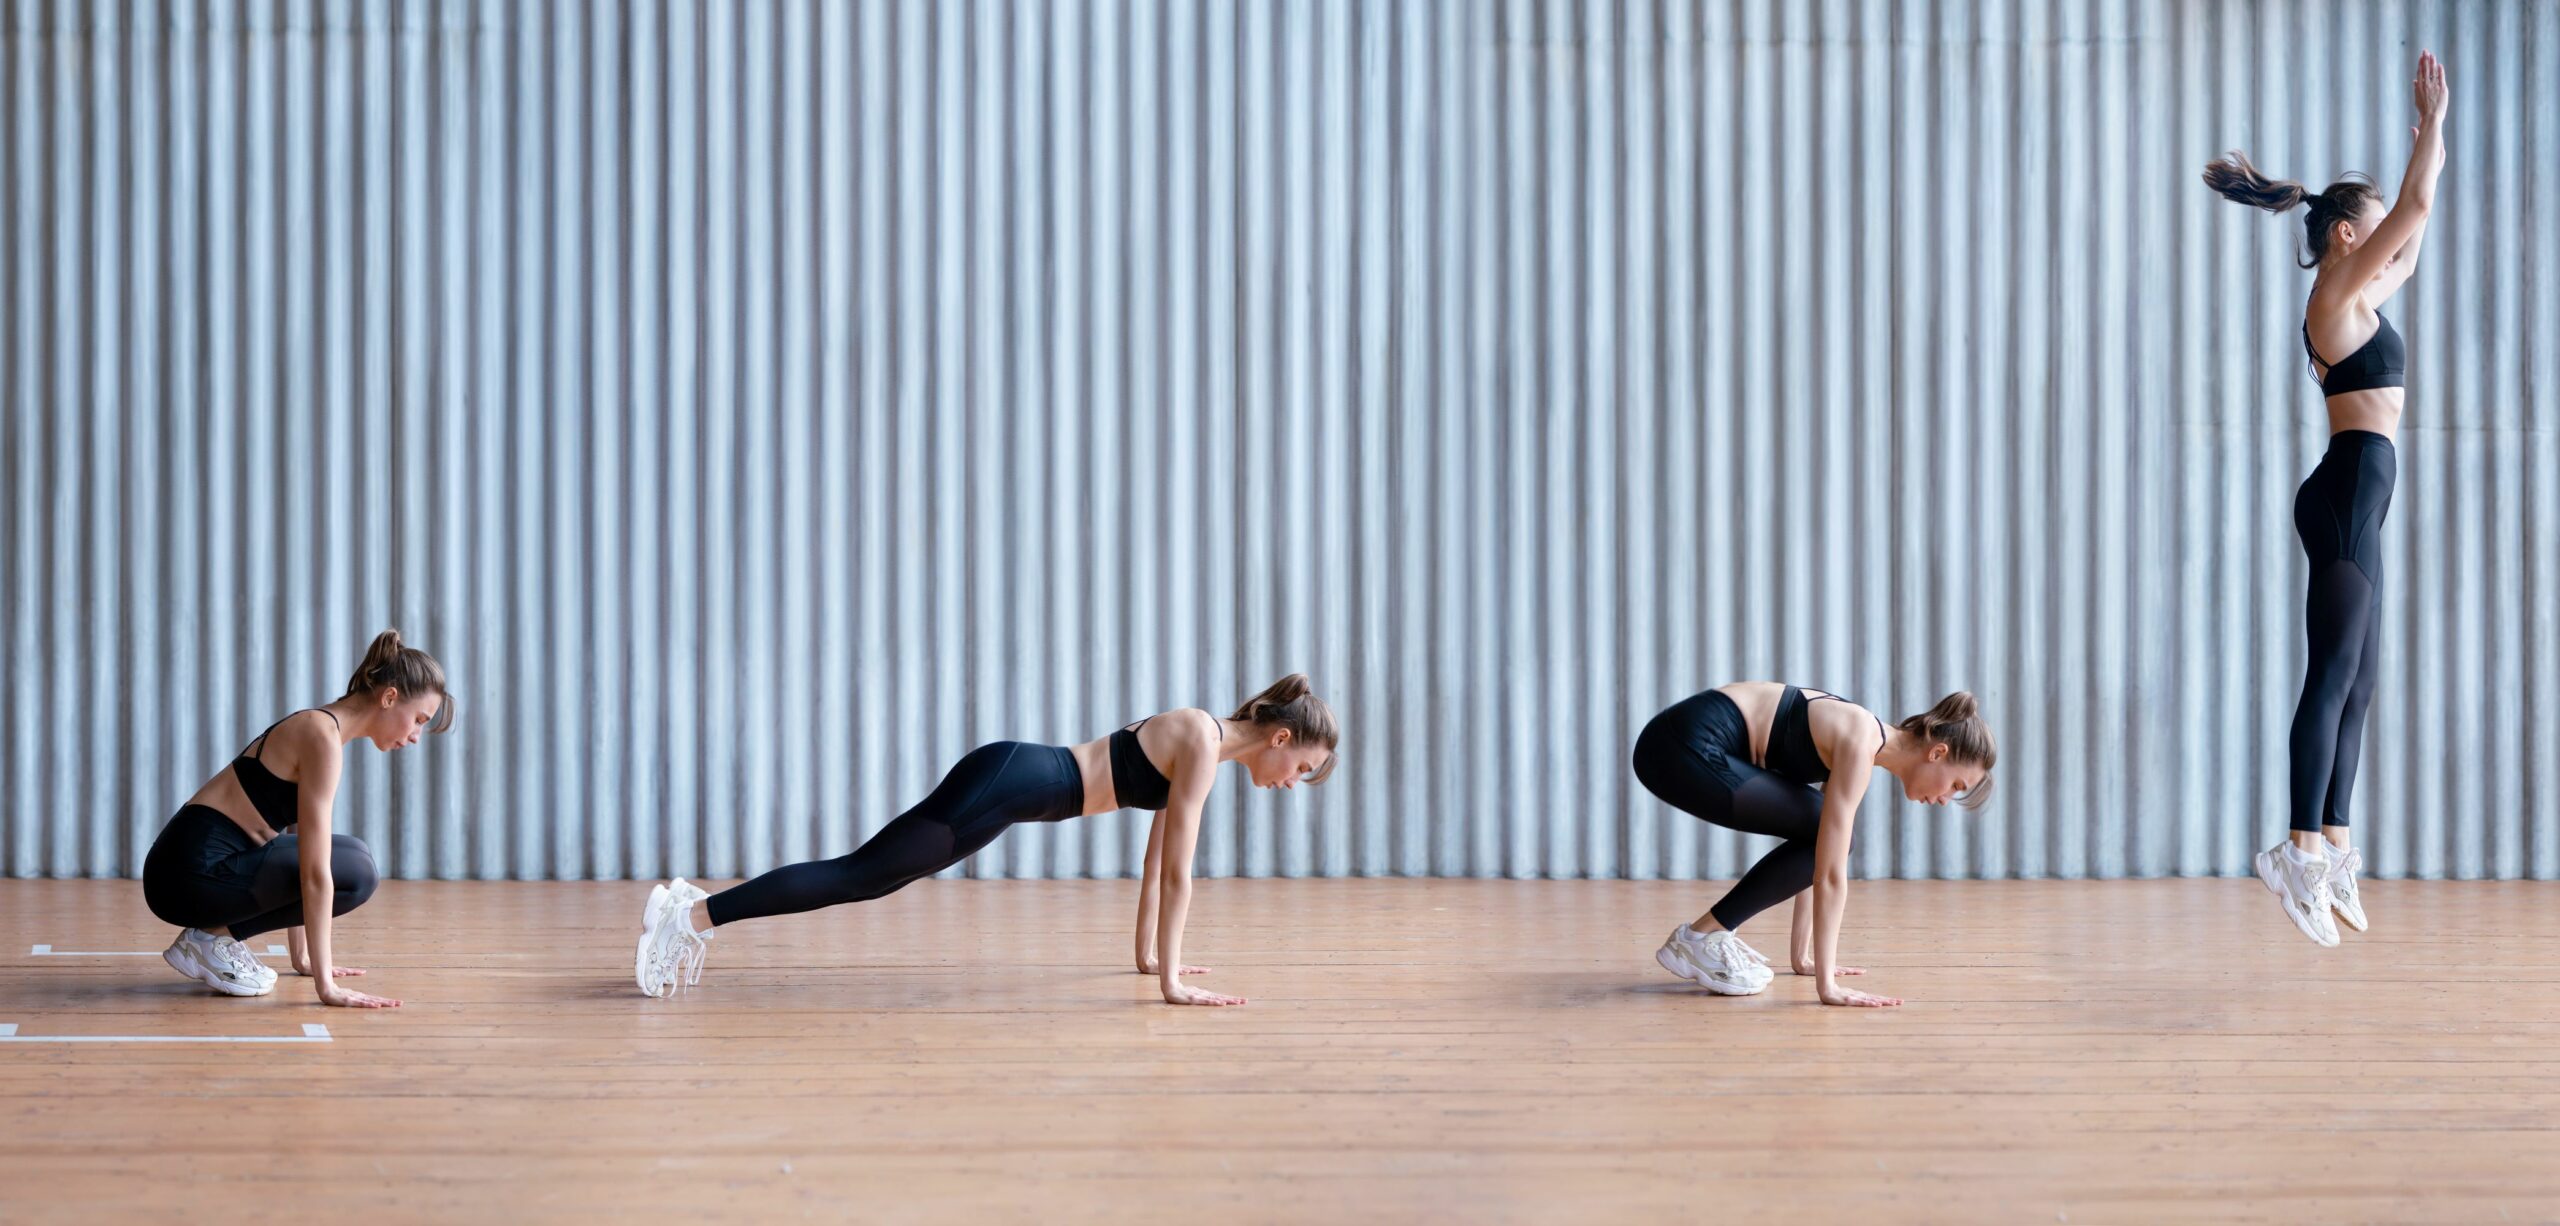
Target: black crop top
{"type": "Point", "coordinates": [1134, 780]}
{"type": "Point", "coordinates": [2379, 362]}
{"type": "Point", "coordinates": [1791, 753]}
{"type": "Point", "coordinates": [273, 798]}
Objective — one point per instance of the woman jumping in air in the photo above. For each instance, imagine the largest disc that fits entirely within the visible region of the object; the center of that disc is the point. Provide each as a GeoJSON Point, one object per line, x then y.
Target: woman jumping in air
{"type": "Point", "coordinates": [2364, 254]}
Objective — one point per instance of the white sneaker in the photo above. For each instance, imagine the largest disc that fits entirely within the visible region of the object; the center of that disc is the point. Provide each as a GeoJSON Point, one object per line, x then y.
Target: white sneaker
{"type": "Point", "coordinates": [2342, 884]}
{"type": "Point", "coordinates": [2301, 883]}
{"type": "Point", "coordinates": [671, 953]}
{"type": "Point", "coordinates": [219, 963]}
{"type": "Point", "coordinates": [1718, 962]}
{"type": "Point", "coordinates": [265, 971]}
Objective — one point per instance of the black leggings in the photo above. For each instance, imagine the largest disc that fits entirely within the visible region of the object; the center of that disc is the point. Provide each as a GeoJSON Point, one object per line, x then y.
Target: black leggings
{"type": "Point", "coordinates": [204, 871]}
{"type": "Point", "coordinates": [991, 788]}
{"type": "Point", "coordinates": [2339, 513]}
{"type": "Point", "coordinates": [1697, 756]}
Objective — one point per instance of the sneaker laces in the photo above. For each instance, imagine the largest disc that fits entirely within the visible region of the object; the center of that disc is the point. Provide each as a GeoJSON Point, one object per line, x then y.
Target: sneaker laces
{"type": "Point", "coordinates": [697, 942]}
{"type": "Point", "coordinates": [2342, 873]}
{"type": "Point", "coordinates": [1749, 952]}
{"type": "Point", "coordinates": [1731, 955]}
{"type": "Point", "coordinates": [697, 951]}
{"type": "Point", "coordinates": [2315, 877]}
{"type": "Point", "coordinates": [236, 958]}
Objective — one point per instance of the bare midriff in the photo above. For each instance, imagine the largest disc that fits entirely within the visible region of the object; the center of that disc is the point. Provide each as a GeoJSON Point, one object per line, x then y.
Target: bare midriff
{"type": "Point", "coordinates": [223, 795]}
{"type": "Point", "coordinates": [2374, 409]}
{"type": "Point", "coordinates": [1093, 761]}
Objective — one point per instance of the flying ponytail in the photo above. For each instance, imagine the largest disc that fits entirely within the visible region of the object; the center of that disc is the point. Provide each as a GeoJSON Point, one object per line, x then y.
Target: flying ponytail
{"type": "Point", "coordinates": [2239, 180]}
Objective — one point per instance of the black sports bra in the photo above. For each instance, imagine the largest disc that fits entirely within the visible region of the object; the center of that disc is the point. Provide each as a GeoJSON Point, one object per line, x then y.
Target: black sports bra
{"type": "Point", "coordinates": [2379, 362]}
{"type": "Point", "coordinates": [1791, 754]}
{"type": "Point", "coordinates": [273, 798]}
{"type": "Point", "coordinates": [1134, 780]}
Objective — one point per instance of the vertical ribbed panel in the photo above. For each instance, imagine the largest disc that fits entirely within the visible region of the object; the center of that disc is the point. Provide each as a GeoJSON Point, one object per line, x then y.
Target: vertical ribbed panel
{"type": "Point", "coordinates": [756, 405]}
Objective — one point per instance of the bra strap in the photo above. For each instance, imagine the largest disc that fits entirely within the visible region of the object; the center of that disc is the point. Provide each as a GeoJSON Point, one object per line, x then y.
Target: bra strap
{"type": "Point", "coordinates": [259, 742]}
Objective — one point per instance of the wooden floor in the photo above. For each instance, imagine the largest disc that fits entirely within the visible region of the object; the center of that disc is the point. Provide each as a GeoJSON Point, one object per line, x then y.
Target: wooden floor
{"type": "Point", "coordinates": [1450, 1051]}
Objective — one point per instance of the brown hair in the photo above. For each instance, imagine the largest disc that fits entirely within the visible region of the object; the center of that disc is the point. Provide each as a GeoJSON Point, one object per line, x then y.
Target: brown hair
{"type": "Point", "coordinates": [2237, 179]}
{"type": "Point", "coordinates": [1291, 703]}
{"type": "Point", "coordinates": [387, 663]}
{"type": "Point", "coordinates": [1956, 722]}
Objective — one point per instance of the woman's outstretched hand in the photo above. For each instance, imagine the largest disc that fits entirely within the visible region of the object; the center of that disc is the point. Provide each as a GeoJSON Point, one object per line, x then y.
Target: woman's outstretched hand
{"type": "Point", "coordinates": [330, 994]}
{"type": "Point", "coordinates": [1834, 994]}
{"type": "Point", "coordinates": [302, 962]}
{"type": "Point", "coordinates": [1185, 994]}
{"type": "Point", "coordinates": [2429, 88]}
{"type": "Point", "coordinates": [335, 972]}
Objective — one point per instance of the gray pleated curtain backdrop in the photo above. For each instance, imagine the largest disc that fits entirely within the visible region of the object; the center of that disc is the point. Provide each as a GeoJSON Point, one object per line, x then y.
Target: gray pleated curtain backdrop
{"type": "Point", "coordinates": [756, 405]}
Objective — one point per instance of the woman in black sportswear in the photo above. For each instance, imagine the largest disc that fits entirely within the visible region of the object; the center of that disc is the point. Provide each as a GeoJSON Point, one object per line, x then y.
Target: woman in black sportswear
{"type": "Point", "coordinates": [2364, 254]}
{"type": "Point", "coordinates": [253, 851]}
{"type": "Point", "coordinates": [1284, 736]}
{"type": "Point", "coordinates": [1766, 758]}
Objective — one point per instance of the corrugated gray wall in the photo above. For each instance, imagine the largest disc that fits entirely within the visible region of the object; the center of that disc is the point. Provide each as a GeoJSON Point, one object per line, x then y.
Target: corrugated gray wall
{"type": "Point", "coordinates": [756, 405]}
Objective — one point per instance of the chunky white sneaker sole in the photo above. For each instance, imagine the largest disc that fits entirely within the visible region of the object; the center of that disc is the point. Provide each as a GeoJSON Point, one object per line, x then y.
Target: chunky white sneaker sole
{"type": "Point", "coordinates": [1674, 961]}
{"type": "Point", "coordinates": [2272, 873]}
{"type": "Point", "coordinates": [181, 958]}
{"type": "Point", "coordinates": [2349, 913]}
{"type": "Point", "coordinates": [651, 917]}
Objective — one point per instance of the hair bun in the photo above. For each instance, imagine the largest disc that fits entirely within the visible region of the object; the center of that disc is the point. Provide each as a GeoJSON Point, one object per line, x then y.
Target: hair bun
{"type": "Point", "coordinates": [391, 664]}
{"type": "Point", "coordinates": [1291, 703]}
